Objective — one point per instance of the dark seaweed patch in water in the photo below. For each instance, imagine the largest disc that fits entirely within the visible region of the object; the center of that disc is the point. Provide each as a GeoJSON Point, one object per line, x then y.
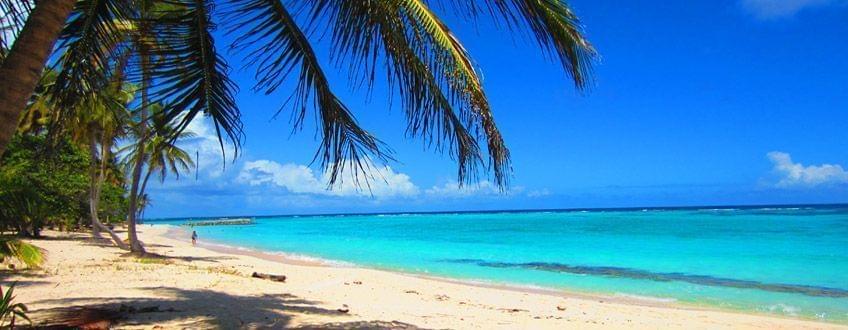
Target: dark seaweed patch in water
{"type": "Point", "coordinates": [638, 274]}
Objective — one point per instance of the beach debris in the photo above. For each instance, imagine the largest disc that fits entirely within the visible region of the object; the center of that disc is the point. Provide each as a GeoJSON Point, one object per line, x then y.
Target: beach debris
{"type": "Point", "coordinates": [442, 297]}
{"type": "Point", "coordinates": [270, 277]}
{"type": "Point", "coordinates": [514, 310]}
{"type": "Point", "coordinates": [77, 317]}
{"type": "Point", "coordinates": [561, 308]}
{"type": "Point", "coordinates": [411, 291]}
{"type": "Point", "coordinates": [357, 282]}
{"type": "Point", "coordinates": [345, 309]}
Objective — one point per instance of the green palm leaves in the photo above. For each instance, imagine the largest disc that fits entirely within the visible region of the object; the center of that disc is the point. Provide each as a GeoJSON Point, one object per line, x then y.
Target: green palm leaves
{"type": "Point", "coordinates": [280, 47]}
{"type": "Point", "coordinates": [424, 63]}
{"type": "Point", "coordinates": [9, 310]}
{"type": "Point", "coordinates": [24, 252]}
{"type": "Point", "coordinates": [159, 151]}
{"type": "Point", "coordinates": [88, 44]}
{"type": "Point", "coordinates": [552, 23]}
{"type": "Point", "coordinates": [192, 77]}
{"type": "Point", "coordinates": [13, 16]}
{"type": "Point", "coordinates": [164, 155]}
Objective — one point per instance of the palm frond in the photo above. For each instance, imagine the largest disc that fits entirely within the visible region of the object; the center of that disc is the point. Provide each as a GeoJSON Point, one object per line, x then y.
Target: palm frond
{"type": "Point", "coordinates": [87, 45]}
{"type": "Point", "coordinates": [29, 254]}
{"type": "Point", "coordinates": [439, 89]}
{"type": "Point", "coordinates": [452, 58]}
{"type": "Point", "coordinates": [13, 15]}
{"type": "Point", "coordinates": [553, 25]}
{"type": "Point", "coordinates": [191, 77]}
{"type": "Point", "coordinates": [285, 48]}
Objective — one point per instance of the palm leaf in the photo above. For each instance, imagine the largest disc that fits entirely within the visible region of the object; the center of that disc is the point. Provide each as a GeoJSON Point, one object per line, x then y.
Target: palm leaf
{"type": "Point", "coordinates": [437, 85]}
{"type": "Point", "coordinates": [455, 63]}
{"type": "Point", "coordinates": [191, 77]}
{"type": "Point", "coordinates": [29, 254]}
{"type": "Point", "coordinates": [88, 44]}
{"type": "Point", "coordinates": [13, 15]}
{"type": "Point", "coordinates": [553, 25]}
{"type": "Point", "coordinates": [344, 143]}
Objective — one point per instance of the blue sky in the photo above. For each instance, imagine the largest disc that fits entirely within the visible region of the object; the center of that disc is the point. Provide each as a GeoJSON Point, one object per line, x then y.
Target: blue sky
{"type": "Point", "coordinates": [695, 103]}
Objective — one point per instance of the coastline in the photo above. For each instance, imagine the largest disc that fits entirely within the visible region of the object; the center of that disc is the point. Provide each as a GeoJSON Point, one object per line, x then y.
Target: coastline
{"type": "Point", "coordinates": [180, 234]}
{"type": "Point", "coordinates": [211, 287]}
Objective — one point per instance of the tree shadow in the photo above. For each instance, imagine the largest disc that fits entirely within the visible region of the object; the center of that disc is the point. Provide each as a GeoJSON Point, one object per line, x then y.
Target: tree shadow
{"type": "Point", "coordinates": [27, 273]}
{"type": "Point", "coordinates": [22, 284]}
{"type": "Point", "coordinates": [188, 308]}
{"type": "Point", "coordinates": [70, 236]}
{"type": "Point", "coordinates": [165, 258]}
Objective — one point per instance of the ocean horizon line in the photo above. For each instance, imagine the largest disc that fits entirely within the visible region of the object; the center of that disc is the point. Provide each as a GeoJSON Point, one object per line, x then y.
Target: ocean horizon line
{"type": "Point", "coordinates": [530, 210]}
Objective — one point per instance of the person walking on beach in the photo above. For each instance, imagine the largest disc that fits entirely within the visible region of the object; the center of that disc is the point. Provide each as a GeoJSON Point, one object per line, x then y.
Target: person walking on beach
{"type": "Point", "coordinates": [193, 237]}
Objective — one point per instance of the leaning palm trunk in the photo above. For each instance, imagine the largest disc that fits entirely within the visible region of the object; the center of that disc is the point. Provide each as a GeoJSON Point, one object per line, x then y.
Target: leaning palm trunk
{"type": "Point", "coordinates": [94, 196]}
{"type": "Point", "coordinates": [138, 161]}
{"type": "Point", "coordinates": [132, 214]}
{"type": "Point", "coordinates": [23, 64]}
{"type": "Point", "coordinates": [93, 192]}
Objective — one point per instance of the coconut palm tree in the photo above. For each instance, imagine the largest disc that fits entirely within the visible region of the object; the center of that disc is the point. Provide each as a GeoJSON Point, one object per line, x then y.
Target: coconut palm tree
{"type": "Point", "coordinates": [156, 146]}
{"type": "Point", "coordinates": [106, 121]}
{"type": "Point", "coordinates": [440, 89]}
{"type": "Point", "coordinates": [94, 122]}
{"type": "Point", "coordinates": [35, 29]}
{"type": "Point", "coordinates": [425, 64]}
{"type": "Point", "coordinates": [160, 151]}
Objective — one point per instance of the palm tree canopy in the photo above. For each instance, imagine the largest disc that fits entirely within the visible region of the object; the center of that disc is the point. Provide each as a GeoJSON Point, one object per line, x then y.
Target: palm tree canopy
{"type": "Point", "coordinates": [425, 64]}
{"type": "Point", "coordinates": [160, 151]}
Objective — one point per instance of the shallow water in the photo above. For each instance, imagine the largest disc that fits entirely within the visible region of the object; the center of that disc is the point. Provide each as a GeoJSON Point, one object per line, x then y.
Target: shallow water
{"type": "Point", "coordinates": [790, 261]}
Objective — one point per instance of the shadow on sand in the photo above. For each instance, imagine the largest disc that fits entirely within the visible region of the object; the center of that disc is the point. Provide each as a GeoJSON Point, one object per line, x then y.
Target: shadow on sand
{"type": "Point", "coordinates": [195, 309]}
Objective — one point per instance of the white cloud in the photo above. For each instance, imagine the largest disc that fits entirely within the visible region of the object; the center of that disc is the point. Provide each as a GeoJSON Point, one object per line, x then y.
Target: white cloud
{"type": "Point", "coordinates": [773, 9]}
{"type": "Point", "coordinates": [206, 145]}
{"type": "Point", "coordinates": [452, 189]}
{"type": "Point", "coordinates": [793, 174]}
{"type": "Point", "coordinates": [538, 193]}
{"type": "Point", "coordinates": [382, 181]}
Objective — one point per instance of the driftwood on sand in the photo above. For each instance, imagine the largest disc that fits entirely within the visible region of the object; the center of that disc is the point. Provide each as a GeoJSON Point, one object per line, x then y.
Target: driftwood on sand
{"type": "Point", "coordinates": [270, 277]}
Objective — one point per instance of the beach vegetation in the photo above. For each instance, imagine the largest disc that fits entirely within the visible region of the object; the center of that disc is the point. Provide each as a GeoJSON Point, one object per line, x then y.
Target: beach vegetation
{"type": "Point", "coordinates": [119, 68]}
{"type": "Point", "coordinates": [9, 309]}
{"type": "Point", "coordinates": [180, 65]}
{"type": "Point", "coordinates": [156, 145]}
{"type": "Point", "coordinates": [26, 253]}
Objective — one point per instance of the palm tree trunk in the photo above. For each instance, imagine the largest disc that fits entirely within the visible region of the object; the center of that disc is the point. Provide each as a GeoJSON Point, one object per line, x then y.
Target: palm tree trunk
{"type": "Point", "coordinates": [135, 245]}
{"type": "Point", "coordinates": [144, 184]}
{"type": "Point", "coordinates": [23, 65]}
{"type": "Point", "coordinates": [94, 194]}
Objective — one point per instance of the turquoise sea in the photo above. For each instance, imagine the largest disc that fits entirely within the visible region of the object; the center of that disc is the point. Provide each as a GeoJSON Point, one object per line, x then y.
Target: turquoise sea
{"type": "Point", "coordinates": [780, 260]}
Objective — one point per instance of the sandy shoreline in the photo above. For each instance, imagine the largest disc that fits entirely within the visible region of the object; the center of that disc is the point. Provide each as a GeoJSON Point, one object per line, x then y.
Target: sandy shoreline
{"type": "Point", "coordinates": [209, 286]}
{"type": "Point", "coordinates": [181, 234]}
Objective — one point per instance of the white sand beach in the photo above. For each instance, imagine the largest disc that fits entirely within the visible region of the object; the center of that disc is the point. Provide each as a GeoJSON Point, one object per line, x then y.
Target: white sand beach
{"type": "Point", "coordinates": [210, 287]}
